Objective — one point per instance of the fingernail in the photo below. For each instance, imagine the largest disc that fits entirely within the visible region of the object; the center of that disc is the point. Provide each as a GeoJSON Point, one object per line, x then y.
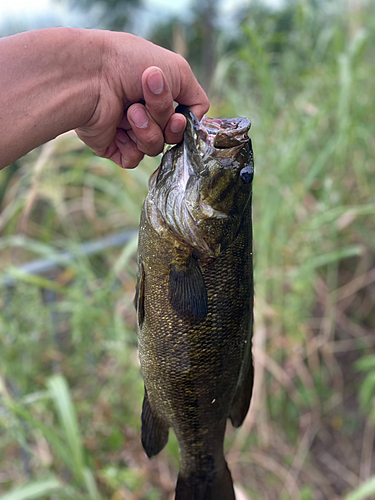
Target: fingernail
{"type": "Point", "coordinates": [140, 118]}
{"type": "Point", "coordinates": [122, 136]}
{"type": "Point", "coordinates": [177, 126]}
{"type": "Point", "coordinates": [155, 82]}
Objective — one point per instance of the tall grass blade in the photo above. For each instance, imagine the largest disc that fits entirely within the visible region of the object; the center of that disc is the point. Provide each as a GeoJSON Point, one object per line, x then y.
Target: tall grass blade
{"type": "Point", "coordinates": [47, 432]}
{"type": "Point", "coordinates": [68, 419]}
{"type": "Point", "coordinates": [90, 484]}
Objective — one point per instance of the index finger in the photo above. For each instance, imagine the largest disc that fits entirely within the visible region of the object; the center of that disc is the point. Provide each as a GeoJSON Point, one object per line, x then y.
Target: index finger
{"type": "Point", "coordinates": [190, 92]}
{"type": "Point", "coordinates": [157, 95]}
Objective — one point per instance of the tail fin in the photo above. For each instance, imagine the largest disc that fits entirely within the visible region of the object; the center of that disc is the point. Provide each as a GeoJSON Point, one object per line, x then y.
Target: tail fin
{"type": "Point", "coordinates": [194, 488]}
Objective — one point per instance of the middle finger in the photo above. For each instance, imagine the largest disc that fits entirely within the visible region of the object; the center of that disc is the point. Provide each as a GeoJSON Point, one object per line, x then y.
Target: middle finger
{"type": "Point", "coordinates": [148, 134]}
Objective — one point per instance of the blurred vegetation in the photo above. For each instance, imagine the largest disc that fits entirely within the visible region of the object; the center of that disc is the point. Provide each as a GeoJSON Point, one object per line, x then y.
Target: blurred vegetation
{"type": "Point", "coordinates": [70, 384]}
{"type": "Point", "coordinates": [196, 38]}
{"type": "Point", "coordinates": [117, 15]}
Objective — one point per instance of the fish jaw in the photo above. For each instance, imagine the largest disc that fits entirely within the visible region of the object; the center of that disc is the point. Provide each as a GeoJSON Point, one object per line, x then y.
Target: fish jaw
{"type": "Point", "coordinates": [211, 134]}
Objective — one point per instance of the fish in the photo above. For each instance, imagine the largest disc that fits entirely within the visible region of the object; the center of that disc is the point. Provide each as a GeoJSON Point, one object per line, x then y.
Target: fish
{"type": "Point", "coordinates": [194, 300]}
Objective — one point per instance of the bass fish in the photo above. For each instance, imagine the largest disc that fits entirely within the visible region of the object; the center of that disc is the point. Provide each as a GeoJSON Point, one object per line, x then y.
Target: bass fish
{"type": "Point", "coordinates": [194, 300]}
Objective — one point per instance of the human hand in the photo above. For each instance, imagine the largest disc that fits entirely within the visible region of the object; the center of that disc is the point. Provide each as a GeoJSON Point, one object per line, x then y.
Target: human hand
{"type": "Point", "coordinates": [134, 114]}
{"type": "Point", "coordinates": [115, 89]}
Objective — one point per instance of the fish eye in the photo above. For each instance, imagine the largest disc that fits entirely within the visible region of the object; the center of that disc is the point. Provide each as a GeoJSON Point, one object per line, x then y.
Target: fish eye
{"type": "Point", "coordinates": [247, 174]}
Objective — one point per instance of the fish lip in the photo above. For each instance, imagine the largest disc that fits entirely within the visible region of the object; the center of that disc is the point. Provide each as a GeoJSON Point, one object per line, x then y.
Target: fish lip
{"type": "Point", "coordinates": [215, 133]}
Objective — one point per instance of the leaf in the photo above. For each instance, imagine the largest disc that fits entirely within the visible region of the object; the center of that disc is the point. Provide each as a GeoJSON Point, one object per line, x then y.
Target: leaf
{"type": "Point", "coordinates": [37, 490]}
{"type": "Point", "coordinates": [367, 390]}
{"type": "Point", "coordinates": [334, 256]}
{"type": "Point", "coordinates": [362, 492]}
{"type": "Point", "coordinates": [129, 250]}
{"type": "Point", "coordinates": [365, 363]}
{"type": "Point", "coordinates": [15, 274]}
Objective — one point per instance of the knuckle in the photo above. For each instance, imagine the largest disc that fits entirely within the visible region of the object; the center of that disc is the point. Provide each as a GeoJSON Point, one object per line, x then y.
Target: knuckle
{"type": "Point", "coordinates": [161, 108]}
{"type": "Point", "coordinates": [132, 159]}
{"type": "Point", "coordinates": [182, 62]}
{"type": "Point", "coordinates": [153, 141]}
{"type": "Point", "coordinates": [151, 150]}
{"type": "Point", "coordinates": [173, 138]}
{"type": "Point", "coordinates": [206, 103]}
{"type": "Point", "coordinates": [161, 105]}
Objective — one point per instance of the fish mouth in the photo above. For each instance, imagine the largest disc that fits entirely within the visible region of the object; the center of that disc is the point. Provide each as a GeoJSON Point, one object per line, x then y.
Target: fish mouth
{"type": "Point", "coordinates": [214, 133]}
{"type": "Point", "coordinates": [209, 137]}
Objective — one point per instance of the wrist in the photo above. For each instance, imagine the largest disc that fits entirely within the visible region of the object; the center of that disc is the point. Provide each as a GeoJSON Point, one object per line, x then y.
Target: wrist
{"type": "Point", "coordinates": [82, 67]}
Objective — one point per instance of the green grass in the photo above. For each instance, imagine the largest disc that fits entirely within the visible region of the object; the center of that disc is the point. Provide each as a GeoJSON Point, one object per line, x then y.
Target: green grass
{"type": "Point", "coordinates": [70, 384]}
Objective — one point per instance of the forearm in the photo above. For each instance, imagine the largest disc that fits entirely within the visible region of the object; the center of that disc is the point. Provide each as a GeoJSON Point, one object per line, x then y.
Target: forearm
{"type": "Point", "coordinates": [45, 89]}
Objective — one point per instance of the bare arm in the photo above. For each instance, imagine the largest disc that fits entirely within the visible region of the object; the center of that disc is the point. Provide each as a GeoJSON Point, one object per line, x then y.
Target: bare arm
{"type": "Point", "coordinates": [96, 82]}
{"type": "Point", "coordinates": [44, 89]}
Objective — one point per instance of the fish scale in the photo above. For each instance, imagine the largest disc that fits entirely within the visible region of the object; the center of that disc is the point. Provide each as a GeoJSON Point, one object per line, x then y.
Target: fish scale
{"type": "Point", "coordinates": [194, 305]}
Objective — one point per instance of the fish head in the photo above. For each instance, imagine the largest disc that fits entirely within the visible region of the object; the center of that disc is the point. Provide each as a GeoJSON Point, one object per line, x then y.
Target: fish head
{"type": "Point", "coordinates": [221, 157]}
{"type": "Point", "coordinates": [204, 184]}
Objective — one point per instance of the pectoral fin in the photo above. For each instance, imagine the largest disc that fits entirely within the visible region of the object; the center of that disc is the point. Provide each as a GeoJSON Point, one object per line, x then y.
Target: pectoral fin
{"type": "Point", "coordinates": [187, 290]}
{"type": "Point", "coordinates": [154, 430]}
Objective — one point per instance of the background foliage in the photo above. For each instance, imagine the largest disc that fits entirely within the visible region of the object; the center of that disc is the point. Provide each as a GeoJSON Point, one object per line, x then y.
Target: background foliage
{"type": "Point", "coordinates": [70, 384]}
